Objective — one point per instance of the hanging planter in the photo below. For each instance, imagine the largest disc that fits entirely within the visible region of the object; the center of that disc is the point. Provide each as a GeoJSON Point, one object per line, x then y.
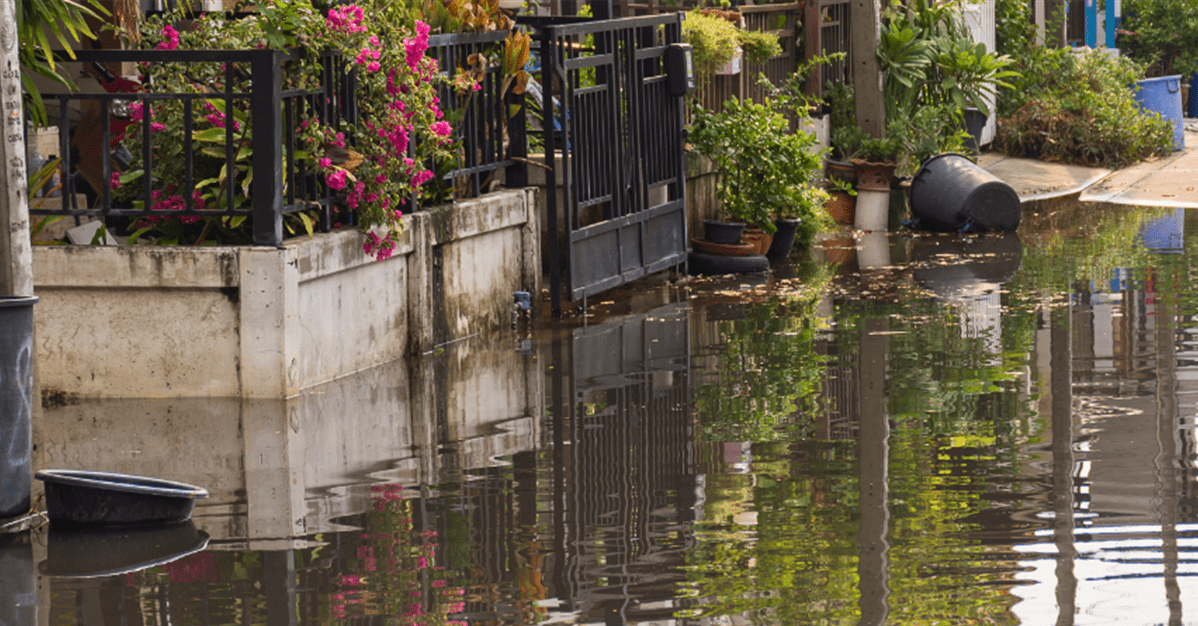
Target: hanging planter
{"type": "Point", "coordinates": [732, 66]}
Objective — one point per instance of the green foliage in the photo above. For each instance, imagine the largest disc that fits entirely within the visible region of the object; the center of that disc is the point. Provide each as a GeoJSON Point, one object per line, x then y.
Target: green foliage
{"type": "Point", "coordinates": [766, 171]}
{"type": "Point", "coordinates": [1161, 34]}
{"type": "Point", "coordinates": [1079, 108]}
{"type": "Point", "coordinates": [41, 24]}
{"type": "Point", "coordinates": [927, 58]}
{"type": "Point", "coordinates": [759, 46]}
{"type": "Point", "coordinates": [713, 39]}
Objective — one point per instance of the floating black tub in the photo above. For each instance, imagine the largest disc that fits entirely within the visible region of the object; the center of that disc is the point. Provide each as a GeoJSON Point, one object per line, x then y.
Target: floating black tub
{"type": "Point", "coordinates": [95, 552]}
{"type": "Point", "coordinates": [79, 498]}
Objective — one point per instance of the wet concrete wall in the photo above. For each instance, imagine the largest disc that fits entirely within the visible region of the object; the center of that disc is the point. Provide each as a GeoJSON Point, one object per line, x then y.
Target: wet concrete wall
{"type": "Point", "coordinates": [173, 322]}
{"type": "Point", "coordinates": [284, 468]}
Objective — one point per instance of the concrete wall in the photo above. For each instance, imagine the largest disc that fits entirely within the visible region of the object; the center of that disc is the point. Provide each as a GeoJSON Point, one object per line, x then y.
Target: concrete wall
{"type": "Point", "coordinates": [285, 468]}
{"type": "Point", "coordinates": [166, 322]}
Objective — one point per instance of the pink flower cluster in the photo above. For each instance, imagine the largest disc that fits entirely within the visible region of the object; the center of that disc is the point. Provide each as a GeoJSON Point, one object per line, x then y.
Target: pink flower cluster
{"type": "Point", "coordinates": [175, 202]}
{"type": "Point", "coordinates": [369, 56]}
{"type": "Point", "coordinates": [414, 49]}
{"type": "Point", "coordinates": [380, 247]}
{"type": "Point", "coordinates": [170, 38]}
{"type": "Point", "coordinates": [346, 19]}
{"type": "Point", "coordinates": [216, 117]}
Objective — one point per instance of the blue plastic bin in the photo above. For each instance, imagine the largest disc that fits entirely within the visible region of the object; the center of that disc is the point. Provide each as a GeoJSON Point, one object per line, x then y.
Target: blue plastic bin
{"type": "Point", "coordinates": [1163, 95]}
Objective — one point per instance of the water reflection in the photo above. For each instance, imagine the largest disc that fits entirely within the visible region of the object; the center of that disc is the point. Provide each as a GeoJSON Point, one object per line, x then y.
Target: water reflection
{"type": "Point", "coordinates": [997, 429]}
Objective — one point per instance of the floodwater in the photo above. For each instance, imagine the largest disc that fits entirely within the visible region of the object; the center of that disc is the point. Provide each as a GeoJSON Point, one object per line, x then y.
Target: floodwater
{"type": "Point", "coordinates": [906, 430]}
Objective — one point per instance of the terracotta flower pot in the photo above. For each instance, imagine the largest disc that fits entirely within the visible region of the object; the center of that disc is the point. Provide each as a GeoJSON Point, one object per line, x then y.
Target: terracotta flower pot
{"type": "Point", "coordinates": [874, 176]}
{"type": "Point", "coordinates": [841, 206]}
{"type": "Point", "coordinates": [759, 239]}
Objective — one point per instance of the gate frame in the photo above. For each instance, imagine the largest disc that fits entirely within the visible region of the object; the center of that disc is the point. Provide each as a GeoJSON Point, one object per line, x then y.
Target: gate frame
{"type": "Point", "coordinates": [628, 60]}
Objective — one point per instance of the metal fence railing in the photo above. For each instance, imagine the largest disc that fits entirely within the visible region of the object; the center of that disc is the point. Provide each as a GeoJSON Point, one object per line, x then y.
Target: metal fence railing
{"type": "Point", "coordinates": [268, 175]}
{"type": "Point", "coordinates": [268, 178]}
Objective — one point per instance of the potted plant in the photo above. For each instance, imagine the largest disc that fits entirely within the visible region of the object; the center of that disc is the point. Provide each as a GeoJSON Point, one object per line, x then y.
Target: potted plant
{"type": "Point", "coordinates": [765, 171]}
{"type": "Point", "coordinates": [876, 160]}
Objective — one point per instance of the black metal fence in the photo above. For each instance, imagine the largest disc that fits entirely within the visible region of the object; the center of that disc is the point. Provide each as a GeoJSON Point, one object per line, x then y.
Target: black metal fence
{"type": "Point", "coordinates": [613, 138]}
{"type": "Point", "coordinates": [266, 173]}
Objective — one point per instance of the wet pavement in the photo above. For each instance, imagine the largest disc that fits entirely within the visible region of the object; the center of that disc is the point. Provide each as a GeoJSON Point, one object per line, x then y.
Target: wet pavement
{"type": "Point", "coordinates": [905, 428]}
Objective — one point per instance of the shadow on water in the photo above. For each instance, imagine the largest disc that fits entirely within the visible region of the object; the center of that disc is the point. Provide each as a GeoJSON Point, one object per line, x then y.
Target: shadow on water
{"type": "Point", "coordinates": [906, 429]}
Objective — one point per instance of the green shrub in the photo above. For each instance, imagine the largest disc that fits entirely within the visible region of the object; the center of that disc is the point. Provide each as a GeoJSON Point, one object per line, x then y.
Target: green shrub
{"type": "Point", "coordinates": [1079, 108]}
{"type": "Point", "coordinates": [713, 39]}
{"type": "Point", "coordinates": [1162, 35]}
{"type": "Point", "coordinates": [766, 171]}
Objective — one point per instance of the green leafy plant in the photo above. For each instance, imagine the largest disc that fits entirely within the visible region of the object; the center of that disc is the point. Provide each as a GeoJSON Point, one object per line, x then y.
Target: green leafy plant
{"type": "Point", "coordinates": [713, 39]}
{"type": "Point", "coordinates": [1162, 35]}
{"type": "Point", "coordinates": [1079, 108]}
{"type": "Point", "coordinates": [927, 58]}
{"type": "Point", "coordinates": [766, 172]}
{"type": "Point", "coordinates": [759, 46]}
{"type": "Point", "coordinates": [41, 24]}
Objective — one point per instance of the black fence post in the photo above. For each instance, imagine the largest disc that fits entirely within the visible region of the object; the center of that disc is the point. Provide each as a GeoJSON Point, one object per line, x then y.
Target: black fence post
{"type": "Point", "coordinates": [266, 113]}
{"type": "Point", "coordinates": [516, 174]}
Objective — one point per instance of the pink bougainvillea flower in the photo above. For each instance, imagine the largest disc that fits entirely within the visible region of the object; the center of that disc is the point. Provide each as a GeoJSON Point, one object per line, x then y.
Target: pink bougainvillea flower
{"type": "Point", "coordinates": [170, 38]}
{"type": "Point", "coordinates": [441, 129]}
{"type": "Point", "coordinates": [336, 180]}
{"type": "Point", "coordinates": [414, 48]}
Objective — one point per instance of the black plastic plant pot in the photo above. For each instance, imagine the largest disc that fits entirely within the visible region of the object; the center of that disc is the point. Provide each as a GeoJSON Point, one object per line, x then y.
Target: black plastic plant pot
{"type": "Point", "coordinates": [727, 233]}
{"type": "Point", "coordinates": [16, 403]}
{"type": "Point", "coordinates": [80, 498]}
{"type": "Point", "coordinates": [95, 552]}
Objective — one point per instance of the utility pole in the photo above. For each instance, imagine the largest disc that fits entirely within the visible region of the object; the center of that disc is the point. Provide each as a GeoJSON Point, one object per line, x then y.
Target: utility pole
{"type": "Point", "coordinates": [16, 253]}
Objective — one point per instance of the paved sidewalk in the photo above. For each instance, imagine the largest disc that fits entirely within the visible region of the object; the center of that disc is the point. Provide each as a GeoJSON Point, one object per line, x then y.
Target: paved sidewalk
{"type": "Point", "coordinates": [1169, 181]}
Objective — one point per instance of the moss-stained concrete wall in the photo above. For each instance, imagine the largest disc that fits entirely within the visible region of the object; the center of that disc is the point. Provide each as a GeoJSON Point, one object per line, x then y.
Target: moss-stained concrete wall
{"type": "Point", "coordinates": [158, 322]}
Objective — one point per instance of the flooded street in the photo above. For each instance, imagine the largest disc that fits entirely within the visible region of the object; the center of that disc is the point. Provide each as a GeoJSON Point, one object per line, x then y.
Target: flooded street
{"type": "Point", "coordinates": [910, 429]}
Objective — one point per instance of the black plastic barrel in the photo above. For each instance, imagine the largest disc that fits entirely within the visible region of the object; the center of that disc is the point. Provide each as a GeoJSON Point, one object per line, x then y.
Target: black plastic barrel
{"type": "Point", "coordinates": [16, 403]}
{"type": "Point", "coordinates": [950, 193]}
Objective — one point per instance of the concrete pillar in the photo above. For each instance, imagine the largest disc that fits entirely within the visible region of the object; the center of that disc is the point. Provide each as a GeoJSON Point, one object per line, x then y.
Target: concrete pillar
{"type": "Point", "coordinates": [16, 253]}
{"type": "Point", "coordinates": [269, 281]}
{"type": "Point", "coordinates": [866, 18]}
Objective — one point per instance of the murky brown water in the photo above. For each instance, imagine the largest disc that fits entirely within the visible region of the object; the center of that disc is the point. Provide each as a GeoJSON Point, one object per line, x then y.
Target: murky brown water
{"type": "Point", "coordinates": [907, 430]}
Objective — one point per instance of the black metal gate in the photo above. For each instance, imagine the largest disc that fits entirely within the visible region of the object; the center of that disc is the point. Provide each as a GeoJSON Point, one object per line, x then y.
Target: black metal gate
{"type": "Point", "coordinates": [614, 141]}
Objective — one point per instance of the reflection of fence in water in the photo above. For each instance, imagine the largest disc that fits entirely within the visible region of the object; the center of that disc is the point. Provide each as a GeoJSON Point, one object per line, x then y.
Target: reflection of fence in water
{"type": "Point", "coordinates": [627, 477]}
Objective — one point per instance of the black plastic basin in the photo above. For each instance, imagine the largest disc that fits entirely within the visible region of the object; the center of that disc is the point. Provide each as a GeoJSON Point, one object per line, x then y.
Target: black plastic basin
{"type": "Point", "coordinates": [81, 498]}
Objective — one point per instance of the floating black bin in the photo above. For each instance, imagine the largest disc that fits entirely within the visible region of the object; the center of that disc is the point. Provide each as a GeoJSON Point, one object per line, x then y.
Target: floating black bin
{"type": "Point", "coordinates": [81, 498]}
{"type": "Point", "coordinates": [950, 193]}
{"type": "Point", "coordinates": [16, 403]}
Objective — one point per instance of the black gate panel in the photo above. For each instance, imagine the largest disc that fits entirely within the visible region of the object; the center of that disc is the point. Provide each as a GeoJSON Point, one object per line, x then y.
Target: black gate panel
{"type": "Point", "coordinates": [618, 135]}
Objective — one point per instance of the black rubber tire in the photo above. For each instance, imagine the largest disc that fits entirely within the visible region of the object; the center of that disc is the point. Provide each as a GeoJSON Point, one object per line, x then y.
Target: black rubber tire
{"type": "Point", "coordinates": [700, 264]}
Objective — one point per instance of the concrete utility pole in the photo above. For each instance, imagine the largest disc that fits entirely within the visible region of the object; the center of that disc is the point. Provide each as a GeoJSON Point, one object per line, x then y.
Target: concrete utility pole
{"type": "Point", "coordinates": [866, 18]}
{"type": "Point", "coordinates": [16, 253]}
